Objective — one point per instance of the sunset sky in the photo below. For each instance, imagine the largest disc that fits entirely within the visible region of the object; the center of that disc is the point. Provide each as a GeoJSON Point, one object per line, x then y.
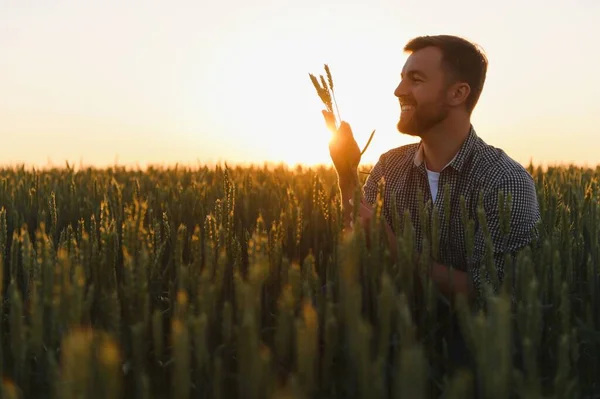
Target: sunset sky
{"type": "Point", "coordinates": [148, 82]}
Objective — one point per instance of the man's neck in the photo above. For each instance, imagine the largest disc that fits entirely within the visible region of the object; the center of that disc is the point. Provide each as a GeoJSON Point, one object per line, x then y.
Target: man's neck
{"type": "Point", "coordinates": [442, 143]}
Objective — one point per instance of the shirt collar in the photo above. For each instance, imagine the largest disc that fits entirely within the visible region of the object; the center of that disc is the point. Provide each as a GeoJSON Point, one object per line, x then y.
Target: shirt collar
{"type": "Point", "coordinates": [460, 157]}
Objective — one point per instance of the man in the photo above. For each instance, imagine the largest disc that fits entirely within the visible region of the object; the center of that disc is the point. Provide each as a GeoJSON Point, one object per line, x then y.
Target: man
{"type": "Point", "coordinates": [440, 85]}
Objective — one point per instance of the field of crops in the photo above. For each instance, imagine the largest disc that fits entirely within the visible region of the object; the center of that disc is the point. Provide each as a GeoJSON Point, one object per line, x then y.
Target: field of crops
{"type": "Point", "coordinates": [237, 283]}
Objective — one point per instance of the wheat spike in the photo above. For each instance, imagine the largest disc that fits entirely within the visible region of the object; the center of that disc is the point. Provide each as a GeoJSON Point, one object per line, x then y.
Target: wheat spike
{"type": "Point", "coordinates": [330, 80]}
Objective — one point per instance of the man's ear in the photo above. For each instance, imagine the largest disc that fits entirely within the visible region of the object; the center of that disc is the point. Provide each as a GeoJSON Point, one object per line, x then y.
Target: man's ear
{"type": "Point", "coordinates": [458, 93]}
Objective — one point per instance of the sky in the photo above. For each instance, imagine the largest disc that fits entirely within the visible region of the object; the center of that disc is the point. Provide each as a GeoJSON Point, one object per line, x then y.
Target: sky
{"type": "Point", "coordinates": [196, 82]}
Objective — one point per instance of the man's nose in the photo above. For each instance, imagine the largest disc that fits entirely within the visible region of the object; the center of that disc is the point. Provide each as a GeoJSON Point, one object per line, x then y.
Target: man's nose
{"type": "Point", "coordinates": [400, 90]}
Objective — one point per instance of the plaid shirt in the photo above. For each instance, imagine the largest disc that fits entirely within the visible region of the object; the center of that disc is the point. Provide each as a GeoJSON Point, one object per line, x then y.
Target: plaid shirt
{"type": "Point", "coordinates": [477, 167]}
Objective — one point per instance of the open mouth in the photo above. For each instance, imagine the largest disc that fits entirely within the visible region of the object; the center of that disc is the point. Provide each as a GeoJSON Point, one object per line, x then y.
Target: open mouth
{"type": "Point", "coordinates": [407, 107]}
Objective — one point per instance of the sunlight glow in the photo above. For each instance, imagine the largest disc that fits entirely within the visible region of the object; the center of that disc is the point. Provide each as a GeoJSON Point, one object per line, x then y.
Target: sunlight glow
{"type": "Point", "coordinates": [203, 83]}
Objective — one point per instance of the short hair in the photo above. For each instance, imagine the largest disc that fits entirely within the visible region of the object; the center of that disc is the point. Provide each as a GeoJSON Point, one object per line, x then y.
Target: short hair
{"type": "Point", "coordinates": [465, 61]}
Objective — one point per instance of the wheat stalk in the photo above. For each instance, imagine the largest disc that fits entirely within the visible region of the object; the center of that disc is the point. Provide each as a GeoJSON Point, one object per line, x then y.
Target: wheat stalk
{"type": "Point", "coordinates": [330, 80]}
{"type": "Point", "coordinates": [325, 91]}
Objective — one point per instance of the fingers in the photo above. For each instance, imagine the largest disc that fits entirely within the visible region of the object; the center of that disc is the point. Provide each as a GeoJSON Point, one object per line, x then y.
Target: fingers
{"type": "Point", "coordinates": [329, 120]}
{"type": "Point", "coordinates": [343, 137]}
{"type": "Point", "coordinates": [344, 130]}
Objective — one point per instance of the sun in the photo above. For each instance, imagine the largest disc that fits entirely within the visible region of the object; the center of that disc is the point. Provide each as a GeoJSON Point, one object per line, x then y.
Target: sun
{"type": "Point", "coordinates": [265, 108]}
{"type": "Point", "coordinates": [304, 141]}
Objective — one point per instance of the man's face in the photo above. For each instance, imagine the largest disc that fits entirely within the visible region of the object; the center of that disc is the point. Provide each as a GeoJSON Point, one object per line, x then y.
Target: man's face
{"type": "Point", "coordinates": [422, 92]}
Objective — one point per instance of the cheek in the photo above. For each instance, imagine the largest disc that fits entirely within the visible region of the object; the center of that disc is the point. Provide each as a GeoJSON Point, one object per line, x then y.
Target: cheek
{"type": "Point", "coordinates": [428, 95]}
{"type": "Point", "coordinates": [423, 99]}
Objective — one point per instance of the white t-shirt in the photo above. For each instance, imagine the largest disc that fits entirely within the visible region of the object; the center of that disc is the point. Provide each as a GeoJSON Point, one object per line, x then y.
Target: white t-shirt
{"type": "Point", "coordinates": [434, 178]}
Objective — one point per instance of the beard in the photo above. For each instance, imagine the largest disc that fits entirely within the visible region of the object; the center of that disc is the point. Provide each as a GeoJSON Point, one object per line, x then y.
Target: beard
{"type": "Point", "coordinates": [422, 118]}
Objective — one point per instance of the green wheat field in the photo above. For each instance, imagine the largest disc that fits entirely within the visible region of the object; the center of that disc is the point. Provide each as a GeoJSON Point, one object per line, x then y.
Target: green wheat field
{"type": "Point", "coordinates": [237, 282]}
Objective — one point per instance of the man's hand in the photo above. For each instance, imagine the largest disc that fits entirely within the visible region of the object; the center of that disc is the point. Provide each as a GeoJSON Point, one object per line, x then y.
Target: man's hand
{"type": "Point", "coordinates": [345, 155]}
{"type": "Point", "coordinates": [343, 149]}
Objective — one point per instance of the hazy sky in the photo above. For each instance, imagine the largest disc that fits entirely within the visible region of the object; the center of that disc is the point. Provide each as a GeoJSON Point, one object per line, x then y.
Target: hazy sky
{"type": "Point", "coordinates": [197, 81]}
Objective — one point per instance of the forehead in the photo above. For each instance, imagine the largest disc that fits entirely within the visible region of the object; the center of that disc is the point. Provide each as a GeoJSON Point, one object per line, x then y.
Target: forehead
{"type": "Point", "coordinates": [427, 61]}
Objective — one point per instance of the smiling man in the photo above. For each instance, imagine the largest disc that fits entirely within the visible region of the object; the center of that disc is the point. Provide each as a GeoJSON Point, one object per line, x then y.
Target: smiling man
{"type": "Point", "coordinates": [441, 83]}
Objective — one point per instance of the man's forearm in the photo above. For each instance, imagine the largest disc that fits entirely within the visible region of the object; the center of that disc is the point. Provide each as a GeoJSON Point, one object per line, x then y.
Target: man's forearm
{"type": "Point", "coordinates": [348, 184]}
{"type": "Point", "coordinates": [348, 187]}
{"type": "Point", "coordinates": [449, 281]}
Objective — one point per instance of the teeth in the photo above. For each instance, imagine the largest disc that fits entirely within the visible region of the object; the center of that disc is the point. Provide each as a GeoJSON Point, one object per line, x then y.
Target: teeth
{"type": "Point", "coordinates": [407, 107]}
